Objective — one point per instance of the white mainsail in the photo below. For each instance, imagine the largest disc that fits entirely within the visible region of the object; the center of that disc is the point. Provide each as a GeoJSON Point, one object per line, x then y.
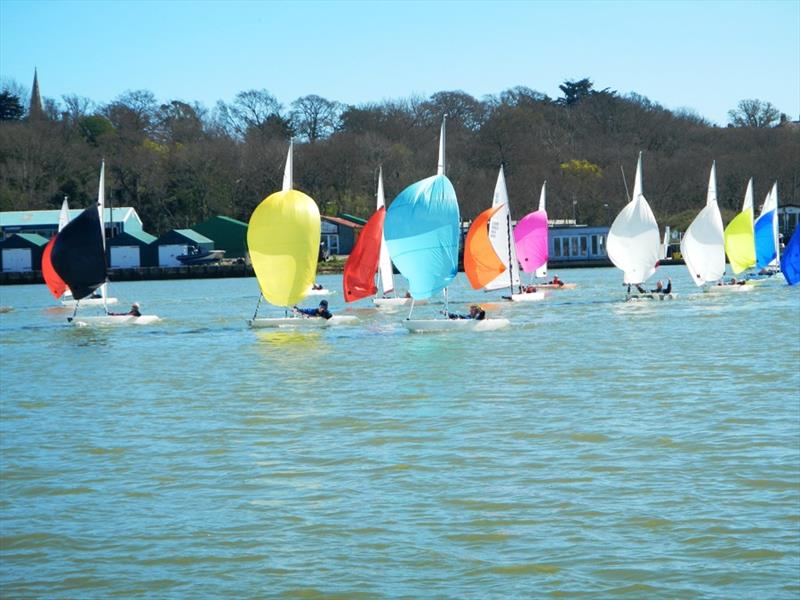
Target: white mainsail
{"type": "Point", "coordinates": [63, 217]}
{"type": "Point", "coordinates": [500, 237]}
{"type": "Point", "coordinates": [542, 271]}
{"type": "Point", "coordinates": [384, 262]}
{"type": "Point", "coordinates": [703, 244]}
{"type": "Point", "coordinates": [633, 241]}
{"type": "Point", "coordinates": [101, 207]}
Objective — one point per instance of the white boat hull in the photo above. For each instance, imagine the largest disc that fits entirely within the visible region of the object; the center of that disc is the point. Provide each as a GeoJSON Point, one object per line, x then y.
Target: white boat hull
{"type": "Point", "coordinates": [527, 297]}
{"type": "Point", "coordinates": [553, 286]}
{"type": "Point", "coordinates": [725, 289]}
{"type": "Point", "coordinates": [322, 292]}
{"type": "Point", "coordinates": [391, 302]}
{"type": "Point", "coordinates": [88, 302]}
{"type": "Point", "coordinates": [114, 320]}
{"type": "Point", "coordinates": [302, 322]}
{"type": "Point", "coordinates": [434, 325]}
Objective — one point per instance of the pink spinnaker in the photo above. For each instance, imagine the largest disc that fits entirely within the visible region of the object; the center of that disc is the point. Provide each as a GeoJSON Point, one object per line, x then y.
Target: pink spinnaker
{"type": "Point", "coordinates": [530, 240]}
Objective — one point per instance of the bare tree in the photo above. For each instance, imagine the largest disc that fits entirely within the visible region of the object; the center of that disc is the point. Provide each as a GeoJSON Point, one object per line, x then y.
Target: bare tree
{"type": "Point", "coordinates": [753, 113]}
{"type": "Point", "coordinates": [315, 117]}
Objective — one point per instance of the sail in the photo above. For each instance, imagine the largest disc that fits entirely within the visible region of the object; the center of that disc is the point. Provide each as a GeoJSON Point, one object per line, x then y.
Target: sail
{"type": "Point", "coordinates": [766, 230]}
{"type": "Point", "coordinates": [530, 239]}
{"type": "Point", "coordinates": [664, 248]}
{"type": "Point", "coordinates": [482, 265]}
{"type": "Point", "coordinates": [385, 263]}
{"type": "Point", "coordinates": [703, 244]}
{"type": "Point", "coordinates": [790, 259]}
{"type": "Point", "coordinates": [500, 237]}
{"type": "Point", "coordinates": [63, 217]}
{"type": "Point", "coordinates": [542, 270]}
{"type": "Point", "coordinates": [422, 230]}
{"type": "Point", "coordinates": [361, 265]}
{"type": "Point", "coordinates": [633, 241]}
{"type": "Point", "coordinates": [77, 254]}
{"type": "Point", "coordinates": [54, 283]}
{"type": "Point", "coordinates": [283, 240]}
{"type": "Point", "coordinates": [740, 237]}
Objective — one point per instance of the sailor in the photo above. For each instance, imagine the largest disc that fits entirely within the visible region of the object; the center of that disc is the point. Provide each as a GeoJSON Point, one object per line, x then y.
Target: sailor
{"type": "Point", "coordinates": [475, 312]}
{"type": "Point", "coordinates": [320, 311]}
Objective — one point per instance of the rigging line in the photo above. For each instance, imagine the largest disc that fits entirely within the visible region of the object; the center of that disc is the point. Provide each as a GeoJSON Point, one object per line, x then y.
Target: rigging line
{"type": "Point", "coordinates": [627, 194]}
{"type": "Point", "coordinates": [408, 318]}
{"type": "Point", "coordinates": [510, 265]}
{"type": "Point", "coordinates": [260, 296]}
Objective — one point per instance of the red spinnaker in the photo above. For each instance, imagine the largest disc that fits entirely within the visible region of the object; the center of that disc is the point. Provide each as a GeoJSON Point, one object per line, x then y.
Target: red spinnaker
{"type": "Point", "coordinates": [362, 264]}
{"type": "Point", "coordinates": [54, 283]}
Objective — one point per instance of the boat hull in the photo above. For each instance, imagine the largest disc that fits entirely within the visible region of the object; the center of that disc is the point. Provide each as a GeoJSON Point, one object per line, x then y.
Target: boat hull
{"type": "Point", "coordinates": [322, 292]}
{"type": "Point", "coordinates": [112, 320]}
{"type": "Point", "coordinates": [729, 289]}
{"type": "Point", "coordinates": [88, 302]}
{"type": "Point", "coordinates": [527, 297]}
{"type": "Point", "coordinates": [302, 322]}
{"type": "Point", "coordinates": [552, 286]}
{"type": "Point", "coordinates": [438, 325]}
{"type": "Point", "coordinates": [391, 302]}
{"type": "Point", "coordinates": [649, 297]}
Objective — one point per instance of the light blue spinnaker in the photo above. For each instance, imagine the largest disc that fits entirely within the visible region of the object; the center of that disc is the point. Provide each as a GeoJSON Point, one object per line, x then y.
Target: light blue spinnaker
{"type": "Point", "coordinates": [790, 260]}
{"type": "Point", "coordinates": [422, 234]}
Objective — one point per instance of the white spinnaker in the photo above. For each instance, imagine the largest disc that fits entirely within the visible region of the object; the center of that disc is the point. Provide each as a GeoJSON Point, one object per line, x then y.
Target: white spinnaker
{"type": "Point", "coordinates": [633, 242]}
{"type": "Point", "coordinates": [542, 271]}
{"type": "Point", "coordinates": [703, 244]}
{"type": "Point", "coordinates": [499, 236]}
{"type": "Point", "coordinates": [385, 262]}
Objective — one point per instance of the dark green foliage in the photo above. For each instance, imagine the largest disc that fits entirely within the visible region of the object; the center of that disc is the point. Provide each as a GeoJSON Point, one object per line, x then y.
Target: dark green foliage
{"type": "Point", "coordinates": [178, 163]}
{"type": "Point", "coordinates": [10, 107]}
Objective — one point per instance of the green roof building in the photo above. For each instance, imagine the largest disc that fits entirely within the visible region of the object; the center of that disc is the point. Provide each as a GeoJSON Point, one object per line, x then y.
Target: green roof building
{"type": "Point", "coordinates": [228, 234]}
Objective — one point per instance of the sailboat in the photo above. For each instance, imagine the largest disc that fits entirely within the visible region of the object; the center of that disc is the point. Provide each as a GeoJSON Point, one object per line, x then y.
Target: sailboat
{"type": "Point", "coordinates": [740, 236]}
{"type": "Point", "coordinates": [422, 230]}
{"type": "Point", "coordinates": [703, 244]}
{"type": "Point", "coordinates": [790, 259]}
{"type": "Point", "coordinates": [78, 257]}
{"type": "Point", "coordinates": [385, 269]}
{"type": "Point", "coordinates": [283, 241]}
{"type": "Point", "coordinates": [532, 243]}
{"type": "Point", "coordinates": [53, 282]}
{"type": "Point", "coordinates": [766, 234]}
{"type": "Point", "coordinates": [633, 242]}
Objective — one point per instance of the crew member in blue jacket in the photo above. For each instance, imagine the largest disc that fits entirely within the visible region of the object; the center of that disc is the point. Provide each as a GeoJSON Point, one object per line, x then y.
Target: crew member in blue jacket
{"type": "Point", "coordinates": [320, 311]}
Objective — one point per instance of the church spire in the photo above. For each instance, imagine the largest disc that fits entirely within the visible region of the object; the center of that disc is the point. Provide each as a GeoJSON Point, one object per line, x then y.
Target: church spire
{"type": "Point", "coordinates": [35, 108]}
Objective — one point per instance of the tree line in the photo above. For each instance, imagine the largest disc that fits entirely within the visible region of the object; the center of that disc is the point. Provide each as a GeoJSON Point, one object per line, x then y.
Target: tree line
{"type": "Point", "coordinates": [178, 163]}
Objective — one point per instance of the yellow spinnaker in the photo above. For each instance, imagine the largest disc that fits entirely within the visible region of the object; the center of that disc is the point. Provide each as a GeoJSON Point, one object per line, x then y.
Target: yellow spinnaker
{"type": "Point", "coordinates": [283, 240]}
{"type": "Point", "coordinates": [740, 243]}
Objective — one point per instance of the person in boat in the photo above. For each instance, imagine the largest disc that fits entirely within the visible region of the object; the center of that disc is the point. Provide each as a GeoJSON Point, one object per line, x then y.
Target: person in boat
{"type": "Point", "coordinates": [557, 281]}
{"type": "Point", "coordinates": [639, 289]}
{"type": "Point", "coordinates": [316, 286]}
{"type": "Point", "coordinates": [133, 312]}
{"type": "Point", "coordinates": [475, 312]}
{"type": "Point", "coordinates": [660, 289]}
{"type": "Point", "coordinates": [321, 311]}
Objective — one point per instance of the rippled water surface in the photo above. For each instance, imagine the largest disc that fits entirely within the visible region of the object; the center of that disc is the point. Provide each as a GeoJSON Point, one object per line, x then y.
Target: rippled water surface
{"type": "Point", "coordinates": [594, 449]}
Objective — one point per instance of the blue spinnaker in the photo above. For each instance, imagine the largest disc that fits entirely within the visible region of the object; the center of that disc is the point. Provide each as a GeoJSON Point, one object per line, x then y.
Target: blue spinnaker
{"type": "Point", "coordinates": [422, 234]}
{"type": "Point", "coordinates": [765, 239]}
{"type": "Point", "coordinates": [790, 260]}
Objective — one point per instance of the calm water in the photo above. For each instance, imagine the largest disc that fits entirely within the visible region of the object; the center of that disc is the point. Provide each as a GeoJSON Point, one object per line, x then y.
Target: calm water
{"type": "Point", "coordinates": [594, 449]}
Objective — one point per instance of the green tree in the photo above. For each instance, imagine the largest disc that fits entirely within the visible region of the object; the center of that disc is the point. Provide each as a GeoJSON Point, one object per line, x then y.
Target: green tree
{"type": "Point", "coordinates": [754, 113]}
{"type": "Point", "coordinates": [10, 107]}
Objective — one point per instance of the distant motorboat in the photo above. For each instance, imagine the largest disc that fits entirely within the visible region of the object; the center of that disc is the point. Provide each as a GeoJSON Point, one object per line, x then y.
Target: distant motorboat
{"type": "Point", "coordinates": [196, 256]}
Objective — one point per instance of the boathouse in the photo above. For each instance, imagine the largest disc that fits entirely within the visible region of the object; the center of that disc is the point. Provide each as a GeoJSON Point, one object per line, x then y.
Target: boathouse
{"type": "Point", "coordinates": [45, 222]}
{"type": "Point", "coordinates": [177, 242]}
{"type": "Point", "coordinates": [339, 234]}
{"type": "Point", "coordinates": [131, 249]}
{"type": "Point", "coordinates": [227, 234]}
{"type": "Point", "coordinates": [22, 252]}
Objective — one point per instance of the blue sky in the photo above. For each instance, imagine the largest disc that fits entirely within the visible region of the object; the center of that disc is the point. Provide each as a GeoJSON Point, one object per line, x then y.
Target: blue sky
{"type": "Point", "coordinates": [704, 56]}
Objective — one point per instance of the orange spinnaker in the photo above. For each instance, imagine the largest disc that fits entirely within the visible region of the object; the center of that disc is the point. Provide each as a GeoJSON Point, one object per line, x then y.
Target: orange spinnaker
{"type": "Point", "coordinates": [362, 264]}
{"type": "Point", "coordinates": [481, 263]}
{"type": "Point", "coordinates": [54, 283]}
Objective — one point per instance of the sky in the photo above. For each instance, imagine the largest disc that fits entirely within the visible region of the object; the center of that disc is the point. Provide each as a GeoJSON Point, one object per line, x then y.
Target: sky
{"type": "Point", "coordinates": [704, 56]}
